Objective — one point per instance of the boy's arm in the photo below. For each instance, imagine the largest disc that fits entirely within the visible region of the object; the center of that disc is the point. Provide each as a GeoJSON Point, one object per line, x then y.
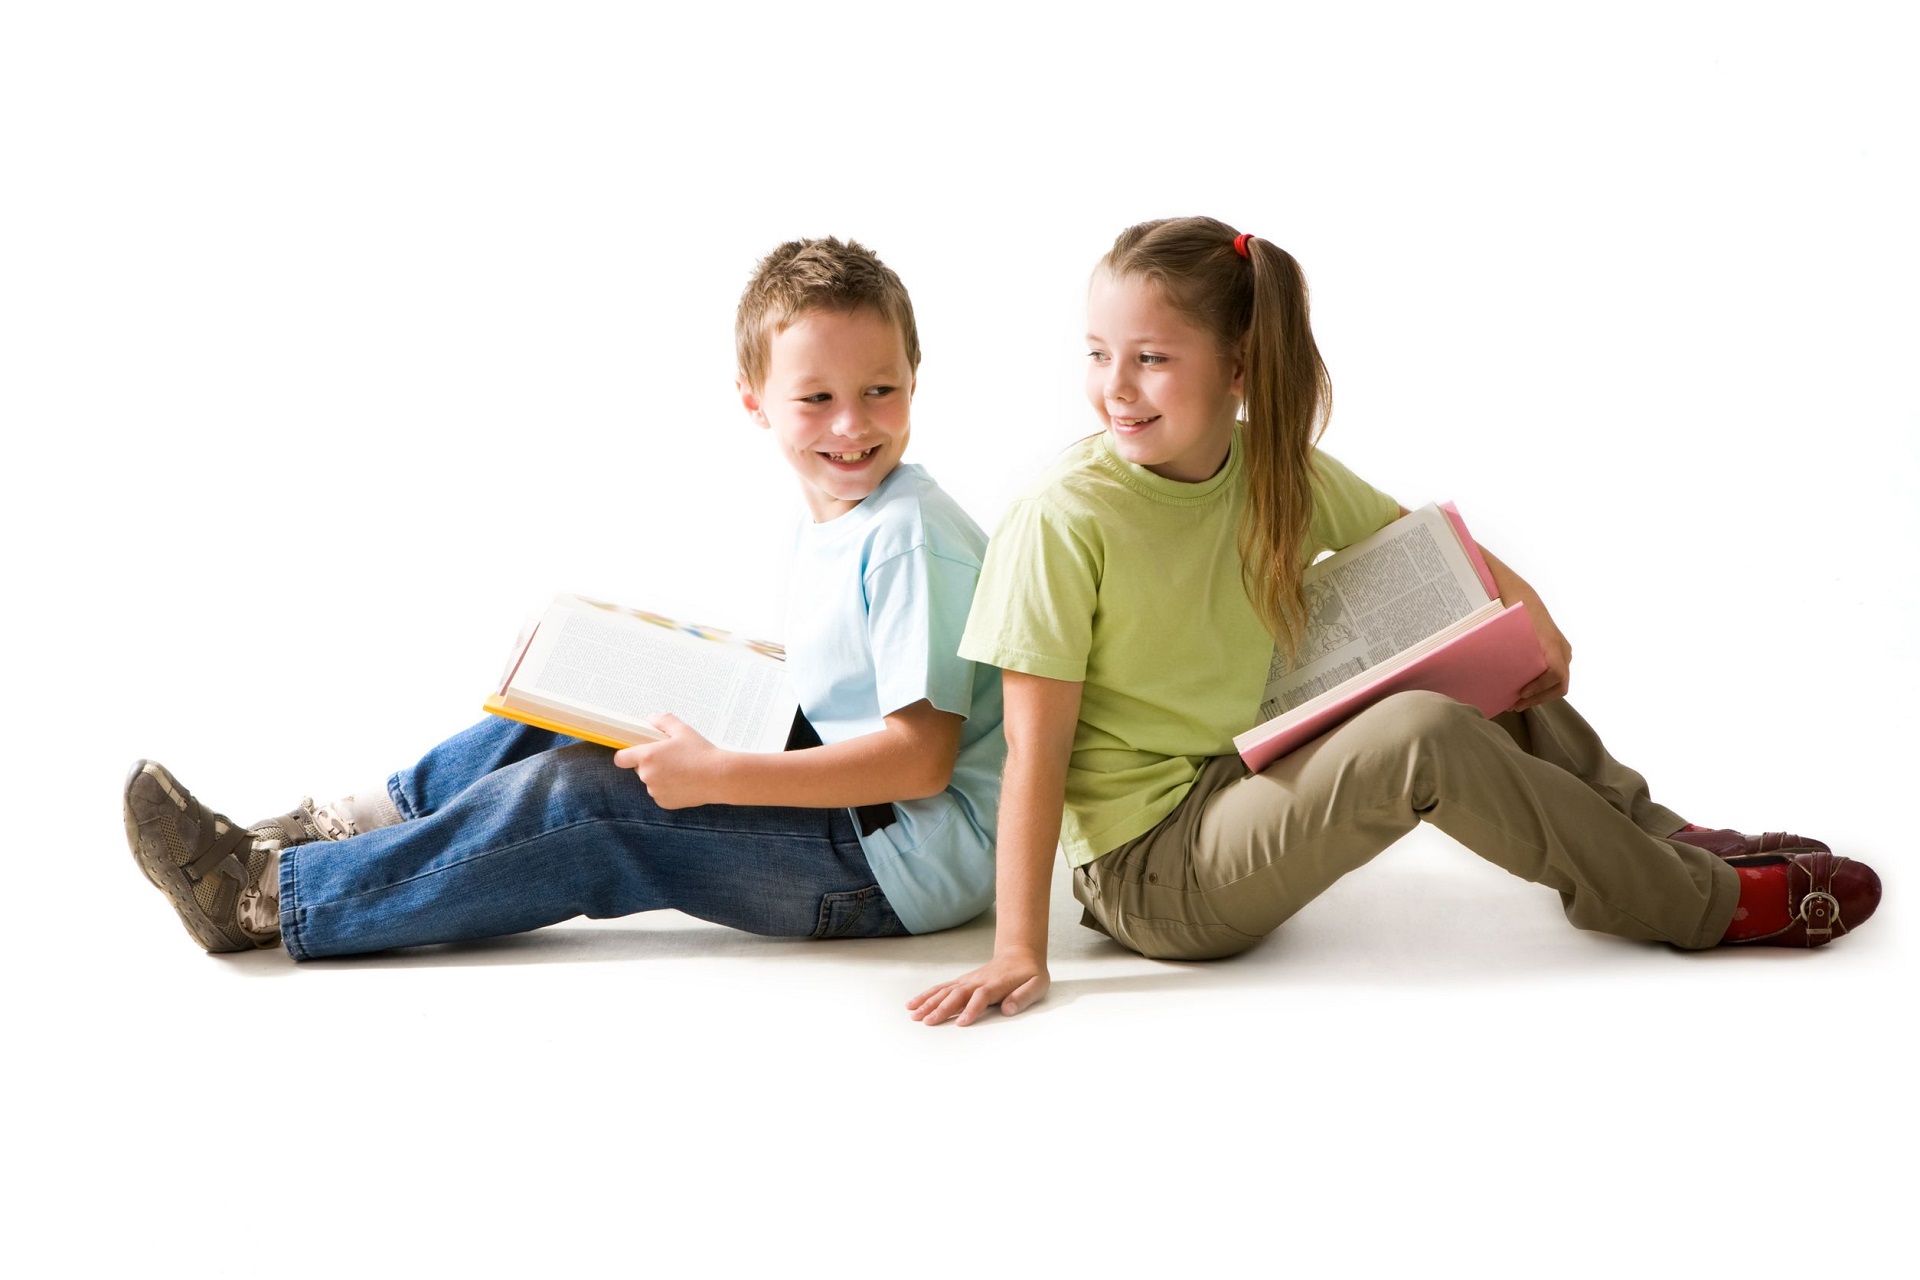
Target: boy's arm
{"type": "Point", "coordinates": [1040, 719]}
{"type": "Point", "coordinates": [911, 757]}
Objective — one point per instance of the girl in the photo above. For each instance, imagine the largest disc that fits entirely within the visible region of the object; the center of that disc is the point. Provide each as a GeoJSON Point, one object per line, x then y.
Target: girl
{"type": "Point", "coordinates": [1134, 599]}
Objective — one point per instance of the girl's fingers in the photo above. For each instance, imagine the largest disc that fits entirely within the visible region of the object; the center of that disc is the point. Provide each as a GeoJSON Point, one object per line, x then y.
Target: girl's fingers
{"type": "Point", "coordinates": [922, 998]}
{"type": "Point", "coordinates": [938, 1008]}
{"type": "Point", "coordinates": [976, 1005]}
{"type": "Point", "coordinates": [928, 998]}
{"type": "Point", "coordinates": [967, 999]}
{"type": "Point", "coordinates": [955, 1000]}
{"type": "Point", "coordinates": [1023, 995]}
{"type": "Point", "coordinates": [928, 1002]}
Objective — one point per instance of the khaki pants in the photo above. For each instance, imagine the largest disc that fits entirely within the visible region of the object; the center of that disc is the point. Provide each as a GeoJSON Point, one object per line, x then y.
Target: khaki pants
{"type": "Point", "coordinates": [1534, 792]}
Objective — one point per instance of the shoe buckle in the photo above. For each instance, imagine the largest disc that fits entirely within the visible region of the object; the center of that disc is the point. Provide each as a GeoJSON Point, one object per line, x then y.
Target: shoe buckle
{"type": "Point", "coordinates": [1830, 913]}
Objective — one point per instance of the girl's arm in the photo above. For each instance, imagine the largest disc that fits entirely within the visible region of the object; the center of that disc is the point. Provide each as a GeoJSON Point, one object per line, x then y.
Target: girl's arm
{"type": "Point", "coordinates": [910, 757]}
{"type": "Point", "coordinates": [1514, 589]}
{"type": "Point", "coordinates": [1040, 719]}
{"type": "Point", "coordinates": [1551, 683]}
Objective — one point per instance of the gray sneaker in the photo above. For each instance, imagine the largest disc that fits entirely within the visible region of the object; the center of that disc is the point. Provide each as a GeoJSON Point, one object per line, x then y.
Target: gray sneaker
{"type": "Point", "coordinates": [222, 880]}
{"type": "Point", "coordinates": [303, 825]}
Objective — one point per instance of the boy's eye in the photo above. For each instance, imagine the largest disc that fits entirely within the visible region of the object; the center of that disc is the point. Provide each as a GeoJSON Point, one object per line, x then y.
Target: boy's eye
{"type": "Point", "coordinates": [818, 397]}
{"type": "Point", "coordinates": [881, 391]}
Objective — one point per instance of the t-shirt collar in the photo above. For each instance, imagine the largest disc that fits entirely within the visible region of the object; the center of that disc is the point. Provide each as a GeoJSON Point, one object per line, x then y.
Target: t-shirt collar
{"type": "Point", "coordinates": [1162, 489]}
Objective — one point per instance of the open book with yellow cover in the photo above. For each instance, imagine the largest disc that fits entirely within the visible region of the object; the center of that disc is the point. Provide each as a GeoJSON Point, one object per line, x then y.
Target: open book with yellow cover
{"type": "Point", "coordinates": [600, 672]}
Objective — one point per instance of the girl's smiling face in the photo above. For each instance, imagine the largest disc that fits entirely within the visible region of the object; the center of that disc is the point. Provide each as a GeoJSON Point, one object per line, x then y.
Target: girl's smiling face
{"type": "Point", "coordinates": [1160, 384]}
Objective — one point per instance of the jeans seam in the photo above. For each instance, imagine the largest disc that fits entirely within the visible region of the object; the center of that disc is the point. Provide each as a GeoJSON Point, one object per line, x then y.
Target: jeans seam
{"type": "Point", "coordinates": [395, 793]}
{"type": "Point", "coordinates": [539, 835]}
{"type": "Point", "coordinates": [290, 905]}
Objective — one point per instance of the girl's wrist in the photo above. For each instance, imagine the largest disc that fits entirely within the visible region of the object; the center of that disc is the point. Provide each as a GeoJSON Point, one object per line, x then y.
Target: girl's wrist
{"type": "Point", "coordinates": [1022, 950]}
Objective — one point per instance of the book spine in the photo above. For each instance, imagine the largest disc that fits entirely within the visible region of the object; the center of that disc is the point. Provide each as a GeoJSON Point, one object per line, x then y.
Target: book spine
{"type": "Point", "coordinates": [1472, 549]}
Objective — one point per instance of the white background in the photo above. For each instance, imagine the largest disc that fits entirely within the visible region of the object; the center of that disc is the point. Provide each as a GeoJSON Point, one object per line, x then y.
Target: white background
{"type": "Point", "coordinates": [335, 338]}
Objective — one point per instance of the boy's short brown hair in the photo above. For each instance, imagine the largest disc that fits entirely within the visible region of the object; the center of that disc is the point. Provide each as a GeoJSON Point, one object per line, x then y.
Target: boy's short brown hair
{"type": "Point", "coordinates": [816, 275]}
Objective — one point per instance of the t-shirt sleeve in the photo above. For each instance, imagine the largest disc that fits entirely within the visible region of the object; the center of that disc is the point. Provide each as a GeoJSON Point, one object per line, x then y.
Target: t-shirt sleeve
{"type": "Point", "coordinates": [1345, 507]}
{"type": "Point", "coordinates": [917, 605]}
{"type": "Point", "coordinates": [1039, 584]}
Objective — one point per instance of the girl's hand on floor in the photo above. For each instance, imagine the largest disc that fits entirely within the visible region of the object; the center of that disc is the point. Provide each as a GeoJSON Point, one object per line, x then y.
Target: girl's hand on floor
{"type": "Point", "coordinates": [1551, 683]}
{"type": "Point", "coordinates": [1012, 980]}
{"type": "Point", "coordinates": [680, 771]}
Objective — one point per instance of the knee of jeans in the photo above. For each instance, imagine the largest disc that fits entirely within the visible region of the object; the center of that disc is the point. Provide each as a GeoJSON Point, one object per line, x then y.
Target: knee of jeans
{"type": "Point", "coordinates": [573, 773]}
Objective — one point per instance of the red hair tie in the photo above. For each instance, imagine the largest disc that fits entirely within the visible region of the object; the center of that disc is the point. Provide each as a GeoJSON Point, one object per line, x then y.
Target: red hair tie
{"type": "Point", "coordinates": [1240, 244]}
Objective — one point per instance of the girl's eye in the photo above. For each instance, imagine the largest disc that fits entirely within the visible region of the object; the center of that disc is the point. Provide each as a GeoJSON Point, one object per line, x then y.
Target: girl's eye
{"type": "Point", "coordinates": [1098, 357]}
{"type": "Point", "coordinates": [1145, 359]}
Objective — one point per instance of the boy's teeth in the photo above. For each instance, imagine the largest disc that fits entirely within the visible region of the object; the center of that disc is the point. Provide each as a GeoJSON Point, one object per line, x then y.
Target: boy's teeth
{"type": "Point", "coordinates": [850, 457]}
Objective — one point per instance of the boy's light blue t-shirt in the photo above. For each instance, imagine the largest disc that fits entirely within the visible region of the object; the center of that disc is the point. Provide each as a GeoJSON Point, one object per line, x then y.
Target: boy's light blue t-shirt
{"type": "Point", "coordinates": [879, 598]}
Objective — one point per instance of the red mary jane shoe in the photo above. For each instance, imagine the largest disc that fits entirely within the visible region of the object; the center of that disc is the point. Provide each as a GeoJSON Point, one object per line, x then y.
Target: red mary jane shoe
{"type": "Point", "coordinates": [1733, 844]}
{"type": "Point", "coordinates": [1827, 895]}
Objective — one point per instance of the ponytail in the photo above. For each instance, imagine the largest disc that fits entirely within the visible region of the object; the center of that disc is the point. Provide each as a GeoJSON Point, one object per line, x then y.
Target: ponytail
{"type": "Point", "coordinates": [1252, 296]}
{"type": "Point", "coordinates": [1288, 399]}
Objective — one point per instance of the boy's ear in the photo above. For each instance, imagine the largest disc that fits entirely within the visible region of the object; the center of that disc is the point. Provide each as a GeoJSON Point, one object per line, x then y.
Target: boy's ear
{"type": "Point", "coordinates": [751, 400]}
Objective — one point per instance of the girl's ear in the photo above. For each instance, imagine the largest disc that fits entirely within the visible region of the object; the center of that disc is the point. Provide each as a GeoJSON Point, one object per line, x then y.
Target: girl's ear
{"type": "Point", "coordinates": [1240, 367]}
{"type": "Point", "coordinates": [750, 400]}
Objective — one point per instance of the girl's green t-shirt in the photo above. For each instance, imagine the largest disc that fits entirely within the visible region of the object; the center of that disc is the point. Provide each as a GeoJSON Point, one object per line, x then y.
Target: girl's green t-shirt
{"type": "Point", "coordinates": [1129, 583]}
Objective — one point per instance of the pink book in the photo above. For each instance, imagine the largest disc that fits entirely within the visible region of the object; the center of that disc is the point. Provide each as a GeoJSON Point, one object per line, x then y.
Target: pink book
{"type": "Point", "coordinates": [1485, 660]}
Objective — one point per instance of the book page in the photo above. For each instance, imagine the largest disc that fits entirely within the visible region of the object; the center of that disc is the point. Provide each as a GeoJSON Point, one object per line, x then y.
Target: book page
{"type": "Point", "coordinates": [1379, 598]}
{"type": "Point", "coordinates": [625, 668]}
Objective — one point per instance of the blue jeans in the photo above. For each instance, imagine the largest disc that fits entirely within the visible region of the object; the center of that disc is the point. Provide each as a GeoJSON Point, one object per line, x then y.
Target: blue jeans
{"type": "Point", "coordinates": [509, 828]}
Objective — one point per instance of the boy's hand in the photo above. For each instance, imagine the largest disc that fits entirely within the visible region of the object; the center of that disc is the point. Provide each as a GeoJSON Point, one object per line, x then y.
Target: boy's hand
{"type": "Point", "coordinates": [1012, 980]}
{"type": "Point", "coordinates": [681, 771]}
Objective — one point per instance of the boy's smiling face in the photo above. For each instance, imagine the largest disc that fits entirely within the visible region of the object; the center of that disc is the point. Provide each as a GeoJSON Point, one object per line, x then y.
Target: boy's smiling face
{"type": "Point", "coordinates": [836, 396]}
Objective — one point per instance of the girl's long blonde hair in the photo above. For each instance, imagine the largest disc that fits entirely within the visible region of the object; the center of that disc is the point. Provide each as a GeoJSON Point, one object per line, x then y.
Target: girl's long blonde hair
{"type": "Point", "coordinates": [1256, 306]}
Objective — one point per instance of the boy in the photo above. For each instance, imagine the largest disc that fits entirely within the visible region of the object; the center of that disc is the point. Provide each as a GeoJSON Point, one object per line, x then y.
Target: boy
{"type": "Point", "coordinates": [877, 820]}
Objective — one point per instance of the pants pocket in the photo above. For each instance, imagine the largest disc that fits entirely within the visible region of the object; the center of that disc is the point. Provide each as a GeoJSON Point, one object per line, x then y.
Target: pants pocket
{"type": "Point", "coordinates": [858, 913]}
{"type": "Point", "coordinates": [1162, 923]}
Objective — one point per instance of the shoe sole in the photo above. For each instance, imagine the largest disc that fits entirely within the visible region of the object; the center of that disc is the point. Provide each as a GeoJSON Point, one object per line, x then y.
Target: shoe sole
{"type": "Point", "coordinates": [150, 787]}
